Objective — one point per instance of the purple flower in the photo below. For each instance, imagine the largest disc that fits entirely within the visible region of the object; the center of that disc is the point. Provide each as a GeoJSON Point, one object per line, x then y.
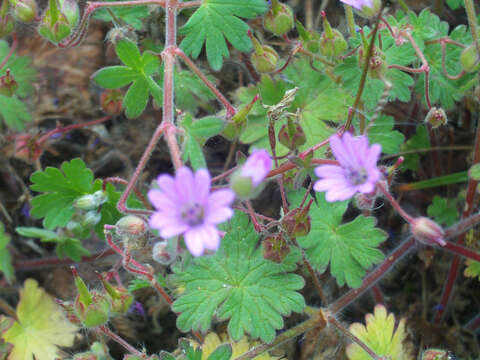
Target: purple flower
{"type": "Point", "coordinates": [257, 166]}
{"type": "Point", "coordinates": [357, 172]}
{"type": "Point", "coordinates": [358, 4]}
{"type": "Point", "coordinates": [185, 206]}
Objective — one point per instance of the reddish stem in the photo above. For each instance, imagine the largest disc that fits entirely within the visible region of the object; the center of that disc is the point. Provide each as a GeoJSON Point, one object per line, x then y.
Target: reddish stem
{"type": "Point", "coordinates": [394, 203]}
{"type": "Point", "coordinates": [373, 276]}
{"type": "Point", "coordinates": [455, 265]}
{"type": "Point", "coordinates": [130, 349]}
{"type": "Point", "coordinates": [13, 47]}
{"type": "Point", "coordinates": [228, 106]}
{"type": "Point", "coordinates": [460, 250]}
{"type": "Point", "coordinates": [52, 262]}
{"type": "Point", "coordinates": [138, 194]}
{"type": "Point", "coordinates": [378, 295]}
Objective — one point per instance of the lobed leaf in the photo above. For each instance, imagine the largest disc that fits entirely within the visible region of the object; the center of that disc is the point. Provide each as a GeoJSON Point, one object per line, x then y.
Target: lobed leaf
{"type": "Point", "coordinates": [237, 284]}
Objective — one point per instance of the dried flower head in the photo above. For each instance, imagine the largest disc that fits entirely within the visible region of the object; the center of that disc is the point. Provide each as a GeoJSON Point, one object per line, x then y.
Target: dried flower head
{"type": "Point", "coordinates": [357, 170]}
{"type": "Point", "coordinates": [186, 207]}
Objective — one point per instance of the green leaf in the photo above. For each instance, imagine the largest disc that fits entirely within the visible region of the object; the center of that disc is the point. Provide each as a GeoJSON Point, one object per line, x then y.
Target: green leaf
{"type": "Point", "coordinates": [114, 77]}
{"type": "Point", "coordinates": [22, 70]}
{"type": "Point", "coordinates": [132, 15]}
{"type": "Point", "coordinates": [216, 20]}
{"type": "Point", "coordinates": [6, 266]}
{"type": "Point", "coordinates": [193, 152]}
{"type": "Point", "coordinates": [223, 352]}
{"type": "Point", "coordinates": [60, 189]}
{"type": "Point", "coordinates": [190, 91]}
{"type": "Point", "coordinates": [136, 98]}
{"type": "Point", "coordinates": [138, 283]}
{"type": "Point", "coordinates": [382, 133]}
{"type": "Point", "coordinates": [14, 112]}
{"type": "Point", "coordinates": [418, 141]}
{"type": "Point", "coordinates": [139, 70]}
{"type": "Point", "coordinates": [237, 284]}
{"type": "Point", "coordinates": [66, 246]}
{"type": "Point", "coordinates": [206, 127]}
{"type": "Point", "coordinates": [349, 248]}
{"type": "Point", "coordinates": [454, 4]}
{"type": "Point", "coordinates": [443, 211]}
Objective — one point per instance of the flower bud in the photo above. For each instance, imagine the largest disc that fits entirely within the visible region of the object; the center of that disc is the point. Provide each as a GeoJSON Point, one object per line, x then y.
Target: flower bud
{"type": "Point", "coordinates": [237, 123]}
{"type": "Point", "coordinates": [111, 101]}
{"type": "Point", "coordinates": [120, 298]}
{"type": "Point", "coordinates": [59, 20]}
{"type": "Point", "coordinates": [275, 248]}
{"type": "Point", "coordinates": [24, 10]}
{"type": "Point", "coordinates": [297, 222]}
{"type": "Point", "coordinates": [8, 85]}
{"type": "Point", "coordinates": [91, 219]}
{"type": "Point", "coordinates": [310, 39]}
{"type": "Point", "coordinates": [332, 42]}
{"type": "Point", "coordinates": [279, 19]}
{"type": "Point", "coordinates": [91, 201]}
{"type": "Point", "coordinates": [469, 59]}
{"type": "Point", "coordinates": [91, 308]}
{"type": "Point", "coordinates": [264, 58]}
{"type": "Point", "coordinates": [6, 21]}
{"type": "Point", "coordinates": [427, 231]}
{"type": "Point", "coordinates": [291, 135]}
{"type": "Point", "coordinates": [436, 117]}
{"type": "Point", "coordinates": [133, 230]}
{"type": "Point", "coordinates": [245, 181]}
{"type": "Point", "coordinates": [163, 253]}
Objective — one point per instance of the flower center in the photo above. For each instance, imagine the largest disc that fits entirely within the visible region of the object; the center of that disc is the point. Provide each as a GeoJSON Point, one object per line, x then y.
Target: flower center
{"type": "Point", "coordinates": [192, 214]}
{"type": "Point", "coordinates": [357, 176]}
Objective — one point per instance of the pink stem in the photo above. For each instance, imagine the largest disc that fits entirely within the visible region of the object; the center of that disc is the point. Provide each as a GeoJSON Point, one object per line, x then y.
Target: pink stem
{"type": "Point", "coordinates": [130, 349]}
{"type": "Point", "coordinates": [394, 203]}
{"type": "Point", "coordinates": [460, 250]}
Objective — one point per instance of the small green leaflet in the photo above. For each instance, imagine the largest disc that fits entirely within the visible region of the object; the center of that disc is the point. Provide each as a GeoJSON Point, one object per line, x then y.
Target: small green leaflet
{"type": "Point", "coordinates": [139, 70]}
{"type": "Point", "coordinates": [381, 132]}
{"type": "Point", "coordinates": [60, 189]}
{"type": "Point", "coordinates": [349, 248]}
{"type": "Point", "coordinates": [443, 211]}
{"type": "Point", "coordinates": [6, 267]}
{"type": "Point", "coordinates": [132, 15]}
{"type": "Point", "coordinates": [216, 20]}
{"type": "Point", "coordinates": [237, 284]}
{"type": "Point", "coordinates": [14, 112]}
{"type": "Point", "coordinates": [418, 141]}
{"type": "Point", "coordinates": [66, 246]}
{"type": "Point", "coordinates": [196, 133]}
{"type": "Point", "coordinates": [22, 70]}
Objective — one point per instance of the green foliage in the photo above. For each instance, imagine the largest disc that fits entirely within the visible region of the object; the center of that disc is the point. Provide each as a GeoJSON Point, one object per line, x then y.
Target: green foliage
{"type": "Point", "coordinates": [60, 189]}
{"type": "Point", "coordinates": [474, 172]}
{"type": "Point", "coordinates": [139, 70]}
{"type": "Point", "coordinates": [14, 112]}
{"type": "Point", "coordinates": [381, 132]}
{"type": "Point", "coordinates": [238, 284]}
{"type": "Point", "coordinates": [65, 246]}
{"type": "Point", "coordinates": [6, 266]}
{"type": "Point", "coordinates": [132, 15]}
{"type": "Point", "coordinates": [196, 133]}
{"type": "Point", "coordinates": [443, 211]}
{"type": "Point", "coordinates": [349, 248]}
{"type": "Point", "coordinates": [22, 70]}
{"type": "Point", "coordinates": [33, 334]}
{"type": "Point", "coordinates": [190, 91]}
{"type": "Point", "coordinates": [351, 73]}
{"type": "Point", "coordinates": [455, 4]}
{"type": "Point", "coordinates": [319, 100]}
{"type": "Point", "coordinates": [418, 141]}
{"type": "Point", "coordinates": [216, 20]}
{"type": "Point", "coordinates": [137, 283]}
{"type": "Point", "coordinates": [472, 269]}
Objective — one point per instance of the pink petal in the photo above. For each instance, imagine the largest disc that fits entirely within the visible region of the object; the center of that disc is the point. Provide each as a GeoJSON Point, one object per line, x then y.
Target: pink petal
{"type": "Point", "coordinates": [160, 201]}
{"type": "Point", "coordinates": [373, 155]}
{"type": "Point", "coordinates": [211, 239]}
{"type": "Point", "coordinates": [328, 184]}
{"type": "Point", "coordinates": [202, 186]}
{"type": "Point", "coordinates": [329, 171]}
{"type": "Point", "coordinates": [194, 241]}
{"type": "Point", "coordinates": [166, 183]}
{"type": "Point", "coordinates": [219, 215]}
{"type": "Point", "coordinates": [339, 150]}
{"type": "Point", "coordinates": [184, 183]}
{"type": "Point", "coordinates": [220, 198]}
{"type": "Point", "coordinates": [340, 194]}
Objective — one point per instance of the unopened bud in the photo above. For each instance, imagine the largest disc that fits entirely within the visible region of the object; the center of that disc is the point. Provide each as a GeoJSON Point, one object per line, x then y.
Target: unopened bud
{"type": "Point", "coordinates": [245, 181]}
{"type": "Point", "coordinates": [332, 42]}
{"type": "Point", "coordinates": [58, 21]}
{"type": "Point", "coordinates": [436, 117]}
{"type": "Point", "coordinates": [275, 248]}
{"type": "Point", "coordinates": [264, 58]}
{"type": "Point", "coordinates": [8, 85]}
{"type": "Point", "coordinates": [279, 19]}
{"type": "Point", "coordinates": [163, 253]}
{"type": "Point", "coordinates": [120, 298]}
{"type": "Point", "coordinates": [6, 22]}
{"type": "Point", "coordinates": [24, 10]}
{"type": "Point", "coordinates": [91, 218]}
{"type": "Point", "coordinates": [291, 135]}
{"type": "Point", "coordinates": [427, 231]}
{"type": "Point", "coordinates": [91, 201]}
{"type": "Point", "coordinates": [133, 230]}
{"type": "Point", "coordinates": [469, 59]}
{"type": "Point", "coordinates": [297, 222]}
{"type": "Point", "coordinates": [111, 101]}
{"type": "Point", "coordinates": [237, 123]}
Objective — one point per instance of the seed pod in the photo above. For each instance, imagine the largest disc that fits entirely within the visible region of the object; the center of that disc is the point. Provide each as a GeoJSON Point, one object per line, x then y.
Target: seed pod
{"type": "Point", "coordinates": [24, 10]}
{"type": "Point", "coordinates": [8, 85]}
{"type": "Point", "coordinates": [332, 42]}
{"type": "Point", "coordinates": [279, 19]}
{"type": "Point", "coordinates": [297, 222]}
{"type": "Point", "coordinates": [469, 59]}
{"type": "Point", "coordinates": [264, 58]}
{"type": "Point", "coordinates": [59, 19]}
{"type": "Point", "coordinates": [436, 117]}
{"type": "Point", "coordinates": [275, 248]}
{"type": "Point", "coordinates": [310, 39]}
{"type": "Point", "coordinates": [111, 101]}
{"type": "Point", "coordinates": [291, 135]}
